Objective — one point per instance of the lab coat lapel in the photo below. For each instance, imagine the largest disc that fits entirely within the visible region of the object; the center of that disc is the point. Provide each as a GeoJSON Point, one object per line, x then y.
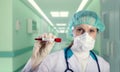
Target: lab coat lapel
{"type": "Point", "coordinates": [73, 64]}
{"type": "Point", "coordinates": [91, 65]}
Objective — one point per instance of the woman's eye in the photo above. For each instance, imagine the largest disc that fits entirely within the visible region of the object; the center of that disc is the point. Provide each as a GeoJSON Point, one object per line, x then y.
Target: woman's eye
{"type": "Point", "coordinates": [80, 30]}
{"type": "Point", "coordinates": [92, 30]}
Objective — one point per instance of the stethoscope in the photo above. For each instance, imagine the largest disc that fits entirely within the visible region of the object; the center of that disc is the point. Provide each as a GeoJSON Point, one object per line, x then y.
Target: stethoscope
{"type": "Point", "coordinates": [68, 69]}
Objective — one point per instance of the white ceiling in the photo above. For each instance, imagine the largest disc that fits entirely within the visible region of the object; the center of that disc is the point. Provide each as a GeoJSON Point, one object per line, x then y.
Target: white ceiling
{"type": "Point", "coordinates": [58, 5]}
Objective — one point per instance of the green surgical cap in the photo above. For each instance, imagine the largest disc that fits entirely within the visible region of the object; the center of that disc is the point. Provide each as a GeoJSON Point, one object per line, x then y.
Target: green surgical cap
{"type": "Point", "coordinates": [86, 17]}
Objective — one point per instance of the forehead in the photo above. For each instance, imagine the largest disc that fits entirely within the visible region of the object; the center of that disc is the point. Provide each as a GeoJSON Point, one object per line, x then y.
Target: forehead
{"type": "Point", "coordinates": [85, 26]}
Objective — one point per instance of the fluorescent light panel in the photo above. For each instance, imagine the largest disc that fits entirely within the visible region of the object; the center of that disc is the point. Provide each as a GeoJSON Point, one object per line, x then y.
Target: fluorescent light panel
{"type": "Point", "coordinates": [61, 31]}
{"type": "Point", "coordinates": [82, 5]}
{"type": "Point", "coordinates": [61, 24]}
{"type": "Point", "coordinates": [63, 14]}
{"type": "Point", "coordinates": [33, 3]}
{"type": "Point", "coordinates": [55, 28]}
{"type": "Point", "coordinates": [59, 14]}
{"type": "Point", "coordinates": [54, 14]}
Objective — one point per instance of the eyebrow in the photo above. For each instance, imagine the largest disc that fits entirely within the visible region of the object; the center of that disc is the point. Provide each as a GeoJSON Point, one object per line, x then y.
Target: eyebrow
{"type": "Point", "coordinates": [89, 28]}
{"type": "Point", "coordinates": [94, 28]}
{"type": "Point", "coordinates": [79, 27]}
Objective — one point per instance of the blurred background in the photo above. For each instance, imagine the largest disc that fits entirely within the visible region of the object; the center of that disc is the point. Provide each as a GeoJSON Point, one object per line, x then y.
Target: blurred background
{"type": "Point", "coordinates": [23, 20]}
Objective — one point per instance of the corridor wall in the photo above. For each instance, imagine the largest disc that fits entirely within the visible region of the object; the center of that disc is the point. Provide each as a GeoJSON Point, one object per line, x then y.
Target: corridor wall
{"type": "Point", "coordinates": [15, 42]}
{"type": "Point", "coordinates": [6, 36]}
{"type": "Point", "coordinates": [111, 37]}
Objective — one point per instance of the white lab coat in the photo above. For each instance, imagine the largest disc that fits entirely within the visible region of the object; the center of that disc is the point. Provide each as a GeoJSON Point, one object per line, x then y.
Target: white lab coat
{"type": "Point", "coordinates": [55, 62]}
{"type": "Point", "coordinates": [28, 67]}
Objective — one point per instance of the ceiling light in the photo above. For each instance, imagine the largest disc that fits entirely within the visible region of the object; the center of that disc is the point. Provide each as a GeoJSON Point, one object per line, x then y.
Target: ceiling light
{"type": "Point", "coordinates": [61, 28]}
{"type": "Point", "coordinates": [55, 28]}
{"type": "Point", "coordinates": [54, 14]}
{"type": "Point", "coordinates": [60, 24]}
{"type": "Point", "coordinates": [59, 14]}
{"type": "Point", "coordinates": [64, 14]}
{"type": "Point", "coordinates": [33, 3]}
{"type": "Point", "coordinates": [61, 31]}
{"type": "Point", "coordinates": [82, 5]}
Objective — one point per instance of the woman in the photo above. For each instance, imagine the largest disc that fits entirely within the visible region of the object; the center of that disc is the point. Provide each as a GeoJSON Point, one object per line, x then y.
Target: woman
{"type": "Point", "coordinates": [78, 57]}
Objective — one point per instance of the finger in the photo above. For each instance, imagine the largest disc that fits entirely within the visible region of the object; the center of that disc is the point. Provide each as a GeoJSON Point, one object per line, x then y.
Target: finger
{"type": "Point", "coordinates": [45, 35]}
{"type": "Point", "coordinates": [42, 35]}
{"type": "Point", "coordinates": [50, 35]}
{"type": "Point", "coordinates": [54, 36]}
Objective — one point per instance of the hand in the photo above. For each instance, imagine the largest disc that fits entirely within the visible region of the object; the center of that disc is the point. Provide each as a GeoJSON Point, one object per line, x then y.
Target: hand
{"type": "Point", "coordinates": [43, 47]}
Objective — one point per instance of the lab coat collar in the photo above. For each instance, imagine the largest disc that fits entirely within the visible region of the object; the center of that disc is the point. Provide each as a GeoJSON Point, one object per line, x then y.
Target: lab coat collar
{"type": "Point", "coordinates": [70, 53]}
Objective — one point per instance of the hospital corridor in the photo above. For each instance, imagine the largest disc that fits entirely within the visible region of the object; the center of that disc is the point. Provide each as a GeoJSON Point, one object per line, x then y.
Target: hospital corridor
{"type": "Point", "coordinates": [21, 21]}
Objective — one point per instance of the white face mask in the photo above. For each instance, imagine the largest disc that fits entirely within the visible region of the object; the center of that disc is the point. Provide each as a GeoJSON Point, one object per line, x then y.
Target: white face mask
{"type": "Point", "coordinates": [83, 43]}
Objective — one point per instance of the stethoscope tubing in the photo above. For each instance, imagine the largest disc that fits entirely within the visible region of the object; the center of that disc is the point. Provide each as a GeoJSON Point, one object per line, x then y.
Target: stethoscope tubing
{"type": "Point", "coordinates": [67, 63]}
{"type": "Point", "coordinates": [96, 61]}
